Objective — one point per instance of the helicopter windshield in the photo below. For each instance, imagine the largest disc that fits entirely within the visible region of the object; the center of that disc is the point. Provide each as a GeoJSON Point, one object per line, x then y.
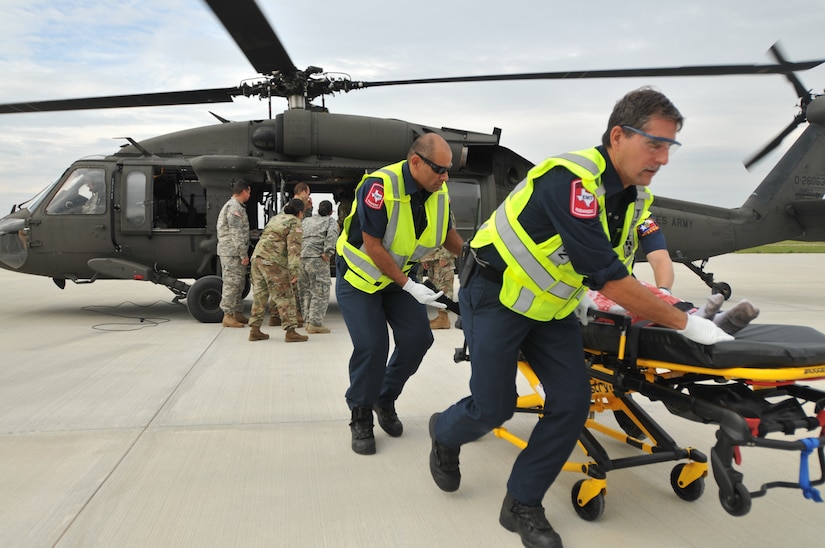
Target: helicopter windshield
{"type": "Point", "coordinates": [82, 192]}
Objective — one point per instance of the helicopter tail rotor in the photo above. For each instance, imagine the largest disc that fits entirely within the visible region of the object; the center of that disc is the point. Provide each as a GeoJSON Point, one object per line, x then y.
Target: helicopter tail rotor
{"type": "Point", "coordinates": [805, 97]}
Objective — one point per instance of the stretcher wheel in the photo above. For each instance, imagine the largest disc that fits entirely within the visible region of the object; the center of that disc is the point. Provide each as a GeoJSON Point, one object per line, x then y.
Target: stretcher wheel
{"type": "Point", "coordinates": [739, 504]}
{"type": "Point", "coordinates": [690, 492]}
{"type": "Point", "coordinates": [593, 509]}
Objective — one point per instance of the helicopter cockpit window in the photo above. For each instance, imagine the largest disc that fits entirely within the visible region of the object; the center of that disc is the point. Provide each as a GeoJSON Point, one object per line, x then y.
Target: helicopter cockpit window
{"type": "Point", "coordinates": [82, 193]}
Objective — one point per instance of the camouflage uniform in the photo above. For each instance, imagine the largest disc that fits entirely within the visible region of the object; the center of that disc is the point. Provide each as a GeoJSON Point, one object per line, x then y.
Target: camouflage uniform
{"type": "Point", "coordinates": [275, 261]}
{"type": "Point", "coordinates": [320, 235]}
{"type": "Point", "coordinates": [440, 266]}
{"type": "Point", "coordinates": [233, 245]}
{"type": "Point", "coordinates": [95, 204]}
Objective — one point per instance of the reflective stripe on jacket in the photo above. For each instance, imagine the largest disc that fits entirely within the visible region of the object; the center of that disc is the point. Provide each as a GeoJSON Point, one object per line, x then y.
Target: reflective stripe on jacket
{"type": "Point", "coordinates": [540, 282]}
{"type": "Point", "coordinates": [399, 238]}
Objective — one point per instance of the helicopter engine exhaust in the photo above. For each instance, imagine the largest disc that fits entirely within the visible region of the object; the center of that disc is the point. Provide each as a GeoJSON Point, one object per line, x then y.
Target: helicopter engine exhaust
{"type": "Point", "coordinates": [301, 133]}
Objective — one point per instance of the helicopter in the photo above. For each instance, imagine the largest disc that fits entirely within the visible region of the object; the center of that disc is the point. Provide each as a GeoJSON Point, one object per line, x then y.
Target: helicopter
{"type": "Point", "coordinates": [149, 210]}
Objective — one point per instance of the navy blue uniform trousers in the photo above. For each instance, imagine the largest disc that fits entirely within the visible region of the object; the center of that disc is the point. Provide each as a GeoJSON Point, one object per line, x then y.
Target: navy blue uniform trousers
{"type": "Point", "coordinates": [554, 351]}
{"type": "Point", "coordinates": [372, 378]}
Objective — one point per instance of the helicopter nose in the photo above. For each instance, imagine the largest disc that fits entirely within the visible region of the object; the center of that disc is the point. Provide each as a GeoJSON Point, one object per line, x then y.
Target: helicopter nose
{"type": "Point", "coordinates": [13, 243]}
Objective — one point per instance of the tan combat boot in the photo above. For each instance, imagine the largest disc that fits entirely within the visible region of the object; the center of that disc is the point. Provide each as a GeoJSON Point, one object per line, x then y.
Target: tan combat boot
{"type": "Point", "coordinates": [442, 321]}
{"type": "Point", "coordinates": [274, 321]}
{"type": "Point", "coordinates": [241, 318]}
{"type": "Point", "coordinates": [255, 333]}
{"type": "Point", "coordinates": [293, 336]}
{"type": "Point", "coordinates": [300, 319]}
{"type": "Point", "coordinates": [312, 328]}
{"type": "Point", "coordinates": [230, 321]}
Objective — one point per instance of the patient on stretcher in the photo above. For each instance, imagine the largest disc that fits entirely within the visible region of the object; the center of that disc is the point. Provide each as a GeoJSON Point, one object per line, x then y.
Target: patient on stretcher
{"type": "Point", "coordinates": [730, 321]}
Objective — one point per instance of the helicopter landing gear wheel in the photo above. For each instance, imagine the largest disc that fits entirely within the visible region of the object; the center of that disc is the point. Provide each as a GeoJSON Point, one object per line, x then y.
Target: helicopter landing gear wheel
{"type": "Point", "coordinates": [723, 288]}
{"type": "Point", "coordinates": [204, 299]}
{"type": "Point", "coordinates": [592, 509]}
{"type": "Point", "coordinates": [739, 503]}
{"type": "Point", "coordinates": [690, 492]}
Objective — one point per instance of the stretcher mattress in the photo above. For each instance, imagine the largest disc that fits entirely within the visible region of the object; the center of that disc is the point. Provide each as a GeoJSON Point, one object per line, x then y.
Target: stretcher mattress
{"type": "Point", "coordinates": [762, 346]}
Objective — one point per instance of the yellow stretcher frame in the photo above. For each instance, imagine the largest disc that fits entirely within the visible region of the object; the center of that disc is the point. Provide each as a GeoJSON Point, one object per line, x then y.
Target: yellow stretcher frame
{"type": "Point", "coordinates": [588, 495]}
{"type": "Point", "coordinates": [687, 478]}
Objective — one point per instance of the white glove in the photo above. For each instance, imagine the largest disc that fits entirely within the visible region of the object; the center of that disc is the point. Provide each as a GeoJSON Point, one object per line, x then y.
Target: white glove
{"type": "Point", "coordinates": [703, 331]}
{"type": "Point", "coordinates": [581, 310]}
{"type": "Point", "coordinates": [423, 294]}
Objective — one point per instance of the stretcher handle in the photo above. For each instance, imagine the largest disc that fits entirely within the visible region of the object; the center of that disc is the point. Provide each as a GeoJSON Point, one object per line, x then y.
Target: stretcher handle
{"type": "Point", "coordinates": [452, 306]}
{"type": "Point", "coordinates": [621, 321]}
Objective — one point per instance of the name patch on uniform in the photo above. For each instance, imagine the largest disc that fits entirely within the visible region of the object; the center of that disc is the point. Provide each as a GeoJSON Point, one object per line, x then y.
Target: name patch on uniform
{"type": "Point", "coordinates": [648, 227]}
{"type": "Point", "coordinates": [582, 203]}
{"type": "Point", "coordinates": [375, 196]}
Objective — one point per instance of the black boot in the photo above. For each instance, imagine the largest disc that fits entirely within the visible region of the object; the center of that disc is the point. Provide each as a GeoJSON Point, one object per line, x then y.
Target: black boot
{"type": "Point", "coordinates": [388, 419]}
{"type": "Point", "coordinates": [363, 440]}
{"type": "Point", "coordinates": [443, 462]}
{"type": "Point", "coordinates": [530, 523]}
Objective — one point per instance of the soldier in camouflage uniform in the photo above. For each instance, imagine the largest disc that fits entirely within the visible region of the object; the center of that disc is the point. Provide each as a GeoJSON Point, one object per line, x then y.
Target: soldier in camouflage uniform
{"type": "Point", "coordinates": [303, 193]}
{"type": "Point", "coordinates": [318, 248]}
{"type": "Point", "coordinates": [276, 265]}
{"type": "Point", "coordinates": [233, 246]}
{"type": "Point", "coordinates": [440, 266]}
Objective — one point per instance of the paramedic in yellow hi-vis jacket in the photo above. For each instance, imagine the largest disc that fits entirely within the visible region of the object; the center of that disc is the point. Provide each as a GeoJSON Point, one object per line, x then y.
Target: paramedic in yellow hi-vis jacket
{"type": "Point", "coordinates": [400, 214]}
{"type": "Point", "coordinates": [570, 225]}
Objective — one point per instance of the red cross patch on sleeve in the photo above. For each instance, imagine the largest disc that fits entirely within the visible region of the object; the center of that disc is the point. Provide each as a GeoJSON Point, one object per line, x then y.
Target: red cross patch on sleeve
{"type": "Point", "coordinates": [375, 196]}
{"type": "Point", "coordinates": [582, 203]}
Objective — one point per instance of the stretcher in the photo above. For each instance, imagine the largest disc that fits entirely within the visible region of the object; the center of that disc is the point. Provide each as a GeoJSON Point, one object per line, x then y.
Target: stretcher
{"type": "Point", "coordinates": [754, 389]}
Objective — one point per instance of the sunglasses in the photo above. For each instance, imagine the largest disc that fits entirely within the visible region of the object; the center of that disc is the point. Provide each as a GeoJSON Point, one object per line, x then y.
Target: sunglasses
{"type": "Point", "coordinates": [654, 142]}
{"type": "Point", "coordinates": [440, 170]}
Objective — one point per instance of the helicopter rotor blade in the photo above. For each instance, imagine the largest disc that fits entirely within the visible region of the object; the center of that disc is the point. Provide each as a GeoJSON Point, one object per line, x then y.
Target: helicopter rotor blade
{"type": "Point", "coordinates": [700, 70]}
{"type": "Point", "coordinates": [249, 28]}
{"type": "Point", "coordinates": [805, 97]}
{"type": "Point", "coordinates": [776, 141]}
{"type": "Point", "coordinates": [803, 93]}
{"type": "Point", "coordinates": [192, 97]}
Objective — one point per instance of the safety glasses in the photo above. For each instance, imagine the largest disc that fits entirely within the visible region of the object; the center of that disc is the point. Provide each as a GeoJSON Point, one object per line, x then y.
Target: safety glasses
{"type": "Point", "coordinates": [655, 143]}
{"type": "Point", "coordinates": [440, 170]}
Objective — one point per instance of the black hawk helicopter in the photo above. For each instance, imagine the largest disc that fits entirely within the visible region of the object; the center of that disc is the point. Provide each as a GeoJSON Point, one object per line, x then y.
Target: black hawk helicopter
{"type": "Point", "coordinates": [149, 211]}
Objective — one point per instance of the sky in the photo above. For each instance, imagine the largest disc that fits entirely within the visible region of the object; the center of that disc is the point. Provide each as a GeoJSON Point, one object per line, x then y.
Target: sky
{"type": "Point", "coordinates": [80, 48]}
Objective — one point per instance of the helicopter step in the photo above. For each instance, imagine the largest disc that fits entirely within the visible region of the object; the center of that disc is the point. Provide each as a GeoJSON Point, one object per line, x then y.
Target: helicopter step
{"type": "Point", "coordinates": [120, 269]}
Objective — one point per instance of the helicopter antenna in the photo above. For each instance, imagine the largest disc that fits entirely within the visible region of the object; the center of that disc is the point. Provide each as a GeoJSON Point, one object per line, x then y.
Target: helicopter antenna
{"type": "Point", "coordinates": [221, 119]}
{"type": "Point", "coordinates": [137, 145]}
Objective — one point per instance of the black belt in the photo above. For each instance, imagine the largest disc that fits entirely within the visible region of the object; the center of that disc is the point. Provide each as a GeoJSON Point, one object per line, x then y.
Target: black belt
{"type": "Point", "coordinates": [486, 271]}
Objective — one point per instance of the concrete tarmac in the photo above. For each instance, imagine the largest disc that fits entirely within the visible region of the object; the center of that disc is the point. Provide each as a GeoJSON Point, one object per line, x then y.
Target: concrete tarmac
{"type": "Point", "coordinates": [124, 422]}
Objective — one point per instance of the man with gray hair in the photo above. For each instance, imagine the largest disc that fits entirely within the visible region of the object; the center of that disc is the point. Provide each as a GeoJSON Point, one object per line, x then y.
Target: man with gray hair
{"type": "Point", "coordinates": [569, 226]}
